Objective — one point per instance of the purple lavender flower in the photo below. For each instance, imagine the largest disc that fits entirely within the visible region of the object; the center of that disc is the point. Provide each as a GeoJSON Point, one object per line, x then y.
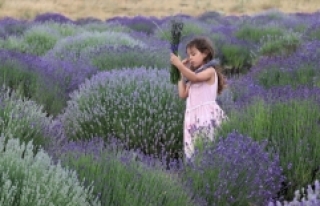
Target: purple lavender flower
{"type": "Point", "coordinates": [289, 118]}
{"type": "Point", "coordinates": [87, 20]}
{"type": "Point", "coordinates": [138, 23]}
{"type": "Point", "coordinates": [235, 171]}
{"type": "Point", "coordinates": [209, 16]}
{"type": "Point", "coordinates": [73, 48]}
{"type": "Point", "coordinates": [272, 17]}
{"type": "Point", "coordinates": [313, 31]}
{"type": "Point", "coordinates": [46, 81]}
{"type": "Point", "coordinates": [23, 119]}
{"type": "Point", "coordinates": [306, 197]}
{"type": "Point", "coordinates": [123, 177]}
{"type": "Point", "coordinates": [191, 27]}
{"type": "Point", "coordinates": [298, 74]}
{"type": "Point", "coordinates": [10, 26]}
{"type": "Point", "coordinates": [112, 57]}
{"type": "Point", "coordinates": [49, 16]}
{"type": "Point", "coordinates": [129, 104]}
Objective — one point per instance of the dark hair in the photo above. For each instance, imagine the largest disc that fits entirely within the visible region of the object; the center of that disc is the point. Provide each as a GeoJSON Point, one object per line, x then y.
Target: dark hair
{"type": "Point", "coordinates": [205, 45]}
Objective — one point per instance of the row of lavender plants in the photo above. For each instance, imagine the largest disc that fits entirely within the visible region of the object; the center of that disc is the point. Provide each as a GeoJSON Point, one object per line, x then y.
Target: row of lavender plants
{"type": "Point", "coordinates": [88, 115]}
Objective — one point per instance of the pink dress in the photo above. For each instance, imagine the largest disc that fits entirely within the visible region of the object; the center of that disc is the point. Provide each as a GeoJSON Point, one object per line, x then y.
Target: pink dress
{"type": "Point", "coordinates": [201, 109]}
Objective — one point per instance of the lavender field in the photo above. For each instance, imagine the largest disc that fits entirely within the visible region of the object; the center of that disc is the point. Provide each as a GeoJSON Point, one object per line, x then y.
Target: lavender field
{"type": "Point", "coordinates": [89, 117]}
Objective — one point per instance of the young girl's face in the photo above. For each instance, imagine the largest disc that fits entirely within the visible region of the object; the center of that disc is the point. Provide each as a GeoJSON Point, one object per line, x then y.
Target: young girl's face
{"type": "Point", "coordinates": [195, 57]}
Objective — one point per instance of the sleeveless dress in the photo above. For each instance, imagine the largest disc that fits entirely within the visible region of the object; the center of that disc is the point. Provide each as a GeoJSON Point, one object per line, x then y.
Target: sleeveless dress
{"type": "Point", "coordinates": [201, 110]}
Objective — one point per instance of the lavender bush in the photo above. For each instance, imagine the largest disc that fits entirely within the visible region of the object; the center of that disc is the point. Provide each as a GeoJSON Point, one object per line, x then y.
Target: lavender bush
{"type": "Point", "coordinates": [32, 180]}
{"type": "Point", "coordinates": [235, 56]}
{"type": "Point", "coordinates": [255, 33]}
{"type": "Point", "coordinates": [234, 171]}
{"type": "Point", "coordinates": [242, 48]}
{"type": "Point", "coordinates": [282, 45]}
{"type": "Point", "coordinates": [23, 118]}
{"type": "Point", "coordinates": [119, 179]}
{"type": "Point", "coordinates": [112, 57]}
{"type": "Point", "coordinates": [46, 81]}
{"type": "Point", "coordinates": [52, 17]}
{"type": "Point", "coordinates": [313, 31]}
{"type": "Point", "coordinates": [305, 197]}
{"type": "Point", "coordinates": [300, 68]}
{"type": "Point", "coordinates": [137, 105]}
{"type": "Point", "coordinates": [150, 40]}
{"type": "Point", "coordinates": [138, 23]}
{"type": "Point", "coordinates": [10, 26]}
{"type": "Point", "coordinates": [273, 76]}
{"type": "Point", "coordinates": [278, 19]}
{"type": "Point", "coordinates": [87, 20]}
{"type": "Point", "coordinates": [13, 43]}
{"type": "Point", "coordinates": [270, 39]}
{"type": "Point", "coordinates": [109, 57]}
{"type": "Point", "coordinates": [103, 27]}
{"type": "Point", "coordinates": [18, 74]}
{"type": "Point", "coordinates": [210, 17]}
{"type": "Point", "coordinates": [234, 53]}
{"type": "Point", "coordinates": [37, 40]}
{"type": "Point", "coordinates": [64, 29]}
{"type": "Point", "coordinates": [74, 47]}
{"type": "Point", "coordinates": [191, 27]}
{"type": "Point", "coordinates": [291, 126]}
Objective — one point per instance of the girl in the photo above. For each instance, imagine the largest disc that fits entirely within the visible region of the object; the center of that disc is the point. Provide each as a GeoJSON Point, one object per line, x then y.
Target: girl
{"type": "Point", "coordinates": [200, 89]}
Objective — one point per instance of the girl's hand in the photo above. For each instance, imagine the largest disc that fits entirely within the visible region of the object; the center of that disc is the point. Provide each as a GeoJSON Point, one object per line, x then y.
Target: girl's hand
{"type": "Point", "coordinates": [185, 62]}
{"type": "Point", "coordinates": [175, 60]}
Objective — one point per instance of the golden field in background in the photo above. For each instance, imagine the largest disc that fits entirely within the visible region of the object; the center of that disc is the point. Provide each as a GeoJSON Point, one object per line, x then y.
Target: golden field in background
{"type": "Point", "coordinates": [103, 9]}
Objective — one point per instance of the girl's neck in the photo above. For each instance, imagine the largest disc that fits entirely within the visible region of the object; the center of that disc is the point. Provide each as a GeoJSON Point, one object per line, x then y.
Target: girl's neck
{"type": "Point", "coordinates": [195, 69]}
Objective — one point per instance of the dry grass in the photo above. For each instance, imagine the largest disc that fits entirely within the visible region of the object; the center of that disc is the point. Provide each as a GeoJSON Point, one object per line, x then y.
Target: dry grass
{"type": "Point", "coordinates": [104, 9]}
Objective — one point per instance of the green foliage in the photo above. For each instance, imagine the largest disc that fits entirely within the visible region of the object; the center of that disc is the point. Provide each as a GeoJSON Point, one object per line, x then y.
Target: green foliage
{"type": "Point", "coordinates": [235, 57]}
{"type": "Point", "coordinates": [121, 180]}
{"type": "Point", "coordinates": [63, 30]}
{"type": "Point", "coordinates": [280, 45]}
{"type": "Point", "coordinates": [23, 118]}
{"type": "Point", "coordinates": [131, 104]}
{"type": "Point", "coordinates": [103, 26]}
{"type": "Point", "coordinates": [40, 39]}
{"type": "Point", "coordinates": [31, 84]}
{"type": "Point", "coordinates": [128, 57]}
{"type": "Point", "coordinates": [73, 48]}
{"type": "Point", "coordinates": [32, 180]}
{"type": "Point", "coordinates": [37, 40]}
{"type": "Point", "coordinates": [305, 75]}
{"type": "Point", "coordinates": [292, 130]}
{"type": "Point", "coordinates": [190, 28]}
{"type": "Point", "coordinates": [256, 33]}
{"type": "Point", "coordinates": [314, 34]}
{"type": "Point", "coordinates": [14, 43]}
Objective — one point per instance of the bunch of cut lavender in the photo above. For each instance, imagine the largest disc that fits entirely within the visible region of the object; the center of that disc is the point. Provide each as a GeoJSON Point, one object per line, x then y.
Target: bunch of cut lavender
{"type": "Point", "coordinates": [176, 31]}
